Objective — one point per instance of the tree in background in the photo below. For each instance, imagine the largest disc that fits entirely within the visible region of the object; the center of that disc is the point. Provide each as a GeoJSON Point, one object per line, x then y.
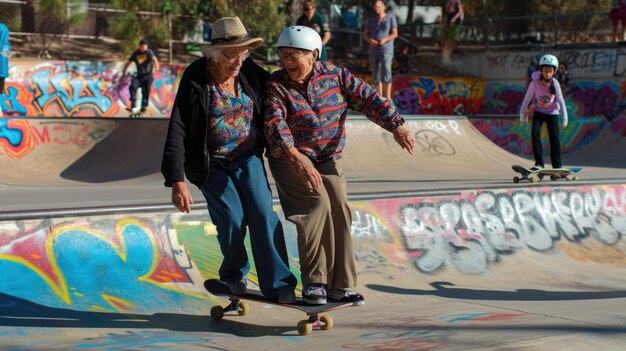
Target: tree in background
{"type": "Point", "coordinates": [138, 20]}
{"type": "Point", "coordinates": [265, 18]}
{"type": "Point", "coordinates": [54, 17]}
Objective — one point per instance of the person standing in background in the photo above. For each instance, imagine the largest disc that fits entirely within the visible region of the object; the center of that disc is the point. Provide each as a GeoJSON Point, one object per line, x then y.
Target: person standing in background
{"type": "Point", "coordinates": [451, 28]}
{"type": "Point", "coordinates": [617, 15]}
{"type": "Point", "coordinates": [562, 75]}
{"type": "Point", "coordinates": [316, 21]}
{"type": "Point", "coordinates": [380, 32]}
{"type": "Point", "coordinates": [5, 51]}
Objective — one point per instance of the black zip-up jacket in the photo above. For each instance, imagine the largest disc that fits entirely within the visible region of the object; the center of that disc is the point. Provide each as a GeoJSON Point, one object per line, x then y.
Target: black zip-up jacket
{"type": "Point", "coordinates": [186, 152]}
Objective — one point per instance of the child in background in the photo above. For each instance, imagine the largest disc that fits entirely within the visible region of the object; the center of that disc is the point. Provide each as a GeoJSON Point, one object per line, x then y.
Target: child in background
{"type": "Point", "coordinates": [546, 93]}
{"type": "Point", "coordinates": [562, 75]}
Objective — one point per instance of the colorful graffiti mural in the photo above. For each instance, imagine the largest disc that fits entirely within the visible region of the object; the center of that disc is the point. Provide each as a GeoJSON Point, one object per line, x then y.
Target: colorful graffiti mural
{"type": "Point", "coordinates": [112, 263]}
{"type": "Point", "coordinates": [438, 95]}
{"type": "Point", "coordinates": [81, 89]}
{"type": "Point", "coordinates": [95, 89]}
{"type": "Point", "coordinates": [19, 137]}
{"type": "Point", "coordinates": [591, 107]}
{"type": "Point", "coordinates": [476, 228]}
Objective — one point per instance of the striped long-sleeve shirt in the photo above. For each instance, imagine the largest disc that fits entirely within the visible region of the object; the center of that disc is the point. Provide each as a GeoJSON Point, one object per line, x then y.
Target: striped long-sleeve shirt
{"type": "Point", "coordinates": [311, 116]}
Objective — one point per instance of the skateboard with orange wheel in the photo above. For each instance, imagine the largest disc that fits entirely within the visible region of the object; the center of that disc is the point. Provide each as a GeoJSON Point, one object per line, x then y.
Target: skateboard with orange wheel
{"type": "Point", "coordinates": [304, 327]}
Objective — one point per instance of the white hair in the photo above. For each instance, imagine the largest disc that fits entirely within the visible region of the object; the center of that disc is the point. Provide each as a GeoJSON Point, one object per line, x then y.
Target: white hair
{"type": "Point", "coordinates": [213, 53]}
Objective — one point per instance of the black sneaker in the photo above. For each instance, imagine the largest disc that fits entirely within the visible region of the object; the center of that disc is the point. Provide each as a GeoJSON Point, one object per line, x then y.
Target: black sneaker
{"type": "Point", "coordinates": [314, 294]}
{"type": "Point", "coordinates": [286, 297]}
{"type": "Point", "coordinates": [536, 168]}
{"type": "Point", "coordinates": [236, 286]}
{"type": "Point", "coordinates": [344, 295]}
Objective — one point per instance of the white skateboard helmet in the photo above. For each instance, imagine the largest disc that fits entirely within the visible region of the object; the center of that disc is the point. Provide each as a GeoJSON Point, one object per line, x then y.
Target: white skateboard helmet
{"type": "Point", "coordinates": [300, 37]}
{"type": "Point", "coordinates": [549, 60]}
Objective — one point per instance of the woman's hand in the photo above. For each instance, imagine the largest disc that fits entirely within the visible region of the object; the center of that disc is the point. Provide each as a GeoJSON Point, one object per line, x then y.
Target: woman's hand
{"type": "Point", "coordinates": [404, 138]}
{"type": "Point", "coordinates": [181, 197]}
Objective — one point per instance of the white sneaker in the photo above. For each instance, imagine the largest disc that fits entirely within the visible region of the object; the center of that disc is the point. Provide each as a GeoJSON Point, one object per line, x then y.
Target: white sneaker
{"type": "Point", "coordinates": [314, 294]}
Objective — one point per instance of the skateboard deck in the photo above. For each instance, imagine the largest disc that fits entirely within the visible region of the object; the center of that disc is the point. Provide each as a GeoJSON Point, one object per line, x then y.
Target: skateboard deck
{"type": "Point", "coordinates": [324, 322]}
{"type": "Point", "coordinates": [554, 174]}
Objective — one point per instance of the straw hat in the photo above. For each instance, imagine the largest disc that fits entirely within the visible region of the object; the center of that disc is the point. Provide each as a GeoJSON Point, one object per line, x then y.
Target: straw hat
{"type": "Point", "coordinates": [230, 32]}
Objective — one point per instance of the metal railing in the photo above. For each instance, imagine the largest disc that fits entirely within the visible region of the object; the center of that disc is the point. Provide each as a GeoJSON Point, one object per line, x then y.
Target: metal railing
{"type": "Point", "coordinates": [501, 32]}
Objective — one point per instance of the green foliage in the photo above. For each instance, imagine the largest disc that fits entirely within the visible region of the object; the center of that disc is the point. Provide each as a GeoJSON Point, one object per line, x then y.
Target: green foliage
{"type": "Point", "coordinates": [55, 16]}
{"type": "Point", "coordinates": [126, 28]}
{"type": "Point", "coordinates": [131, 25]}
{"type": "Point", "coordinates": [265, 18]}
{"type": "Point", "coordinates": [10, 16]}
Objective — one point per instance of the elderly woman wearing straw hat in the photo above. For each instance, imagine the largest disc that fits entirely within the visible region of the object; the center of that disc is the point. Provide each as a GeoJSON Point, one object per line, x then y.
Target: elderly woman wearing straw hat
{"type": "Point", "coordinates": [215, 139]}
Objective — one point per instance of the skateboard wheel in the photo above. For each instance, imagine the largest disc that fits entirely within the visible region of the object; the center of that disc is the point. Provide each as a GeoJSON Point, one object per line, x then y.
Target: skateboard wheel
{"type": "Point", "coordinates": [516, 179]}
{"type": "Point", "coordinates": [328, 322]}
{"type": "Point", "coordinates": [243, 308]}
{"type": "Point", "coordinates": [575, 178]}
{"type": "Point", "coordinates": [217, 312]}
{"type": "Point", "coordinates": [533, 179]}
{"type": "Point", "coordinates": [304, 327]}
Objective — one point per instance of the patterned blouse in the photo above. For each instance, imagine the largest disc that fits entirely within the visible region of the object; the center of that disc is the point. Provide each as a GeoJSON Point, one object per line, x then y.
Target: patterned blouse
{"type": "Point", "coordinates": [312, 116]}
{"type": "Point", "coordinates": [232, 131]}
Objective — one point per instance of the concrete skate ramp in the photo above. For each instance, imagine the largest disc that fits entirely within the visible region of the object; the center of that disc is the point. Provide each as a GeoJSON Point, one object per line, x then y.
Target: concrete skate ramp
{"type": "Point", "coordinates": [67, 152]}
{"type": "Point", "coordinates": [62, 152]}
{"type": "Point", "coordinates": [83, 163]}
{"type": "Point", "coordinates": [114, 158]}
{"type": "Point", "coordinates": [537, 268]}
{"type": "Point", "coordinates": [607, 150]}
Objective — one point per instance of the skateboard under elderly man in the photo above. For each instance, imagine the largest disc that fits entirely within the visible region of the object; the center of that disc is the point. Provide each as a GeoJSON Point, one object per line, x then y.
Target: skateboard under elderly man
{"type": "Point", "coordinates": [304, 327]}
{"type": "Point", "coordinates": [553, 173]}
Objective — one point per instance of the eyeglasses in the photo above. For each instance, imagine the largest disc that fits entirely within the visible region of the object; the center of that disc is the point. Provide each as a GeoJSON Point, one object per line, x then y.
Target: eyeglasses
{"type": "Point", "coordinates": [243, 56]}
{"type": "Point", "coordinates": [292, 55]}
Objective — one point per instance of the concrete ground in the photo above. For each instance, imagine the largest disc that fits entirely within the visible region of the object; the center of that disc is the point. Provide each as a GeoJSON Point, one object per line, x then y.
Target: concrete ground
{"type": "Point", "coordinates": [451, 254]}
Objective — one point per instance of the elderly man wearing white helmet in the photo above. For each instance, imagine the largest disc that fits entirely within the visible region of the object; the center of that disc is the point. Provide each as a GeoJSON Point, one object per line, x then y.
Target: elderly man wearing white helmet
{"type": "Point", "coordinates": [306, 108]}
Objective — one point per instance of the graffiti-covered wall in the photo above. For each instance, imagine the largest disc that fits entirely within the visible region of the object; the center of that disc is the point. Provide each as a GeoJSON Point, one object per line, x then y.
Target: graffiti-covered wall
{"type": "Point", "coordinates": [81, 89]}
{"type": "Point", "coordinates": [141, 263]}
{"type": "Point", "coordinates": [495, 84]}
{"type": "Point", "coordinates": [488, 83]}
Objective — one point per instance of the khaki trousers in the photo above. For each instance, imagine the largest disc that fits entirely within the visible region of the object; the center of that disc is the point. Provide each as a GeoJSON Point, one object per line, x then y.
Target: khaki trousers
{"type": "Point", "coordinates": [323, 220]}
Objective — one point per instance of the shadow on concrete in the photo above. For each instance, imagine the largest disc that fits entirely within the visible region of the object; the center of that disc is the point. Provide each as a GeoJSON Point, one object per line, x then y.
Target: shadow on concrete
{"type": "Point", "coordinates": [132, 150]}
{"type": "Point", "coordinates": [442, 289]}
{"type": "Point", "coordinates": [17, 312]}
{"type": "Point", "coordinates": [415, 327]}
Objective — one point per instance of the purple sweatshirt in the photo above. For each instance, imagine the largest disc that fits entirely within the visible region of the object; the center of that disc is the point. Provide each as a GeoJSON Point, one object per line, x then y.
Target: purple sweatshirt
{"type": "Point", "coordinates": [544, 101]}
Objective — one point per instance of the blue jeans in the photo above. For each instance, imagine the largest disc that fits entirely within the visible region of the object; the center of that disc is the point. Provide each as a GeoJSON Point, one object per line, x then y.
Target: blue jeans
{"type": "Point", "coordinates": [239, 196]}
{"type": "Point", "coordinates": [380, 65]}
